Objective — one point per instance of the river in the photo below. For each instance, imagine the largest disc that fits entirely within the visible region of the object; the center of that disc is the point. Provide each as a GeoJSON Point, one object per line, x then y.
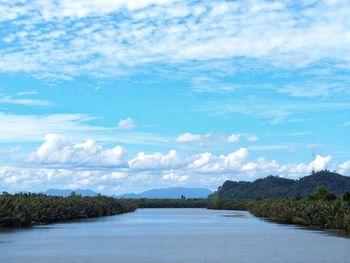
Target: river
{"type": "Point", "coordinates": [172, 235]}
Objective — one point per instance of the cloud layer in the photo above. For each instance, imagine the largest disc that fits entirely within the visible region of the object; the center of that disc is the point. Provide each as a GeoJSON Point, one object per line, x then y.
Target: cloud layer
{"type": "Point", "coordinates": [60, 163]}
{"type": "Point", "coordinates": [58, 150]}
{"type": "Point", "coordinates": [69, 38]}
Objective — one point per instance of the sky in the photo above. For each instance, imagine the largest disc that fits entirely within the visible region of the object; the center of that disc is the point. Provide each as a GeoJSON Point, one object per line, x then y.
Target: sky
{"type": "Point", "coordinates": [123, 96]}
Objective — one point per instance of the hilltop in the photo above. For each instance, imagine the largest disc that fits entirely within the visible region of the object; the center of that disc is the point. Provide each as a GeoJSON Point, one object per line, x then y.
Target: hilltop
{"type": "Point", "coordinates": [276, 187]}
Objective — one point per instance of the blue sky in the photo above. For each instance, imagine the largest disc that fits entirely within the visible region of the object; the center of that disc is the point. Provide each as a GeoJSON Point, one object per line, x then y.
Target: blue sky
{"type": "Point", "coordinates": [123, 96]}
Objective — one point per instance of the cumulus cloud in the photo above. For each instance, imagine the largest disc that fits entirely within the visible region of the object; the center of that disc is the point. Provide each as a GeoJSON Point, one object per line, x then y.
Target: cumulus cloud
{"type": "Point", "coordinates": [155, 161]}
{"type": "Point", "coordinates": [58, 150]}
{"type": "Point", "coordinates": [126, 124]}
{"type": "Point", "coordinates": [234, 138]}
{"type": "Point", "coordinates": [36, 179]}
{"type": "Point", "coordinates": [320, 162]}
{"type": "Point", "coordinates": [114, 176]}
{"type": "Point", "coordinates": [189, 137]}
{"type": "Point", "coordinates": [59, 163]}
{"type": "Point", "coordinates": [208, 162]}
{"type": "Point", "coordinates": [175, 177]}
{"type": "Point", "coordinates": [345, 168]}
{"type": "Point", "coordinates": [302, 169]}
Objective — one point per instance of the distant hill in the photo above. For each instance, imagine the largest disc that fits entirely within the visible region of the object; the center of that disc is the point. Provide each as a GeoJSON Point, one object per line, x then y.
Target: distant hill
{"type": "Point", "coordinates": [67, 192]}
{"type": "Point", "coordinates": [173, 193]}
{"type": "Point", "coordinates": [276, 187]}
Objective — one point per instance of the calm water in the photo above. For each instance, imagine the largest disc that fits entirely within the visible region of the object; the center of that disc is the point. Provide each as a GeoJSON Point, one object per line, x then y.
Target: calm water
{"type": "Point", "coordinates": [172, 235]}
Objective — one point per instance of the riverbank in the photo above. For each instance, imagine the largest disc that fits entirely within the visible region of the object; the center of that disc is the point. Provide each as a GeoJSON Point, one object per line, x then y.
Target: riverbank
{"type": "Point", "coordinates": [22, 210]}
{"type": "Point", "coordinates": [314, 214]}
{"type": "Point", "coordinates": [172, 235]}
{"type": "Point", "coordinates": [321, 214]}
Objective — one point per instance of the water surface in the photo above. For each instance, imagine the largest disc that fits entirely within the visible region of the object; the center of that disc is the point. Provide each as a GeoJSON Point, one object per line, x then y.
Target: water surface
{"type": "Point", "coordinates": [172, 235]}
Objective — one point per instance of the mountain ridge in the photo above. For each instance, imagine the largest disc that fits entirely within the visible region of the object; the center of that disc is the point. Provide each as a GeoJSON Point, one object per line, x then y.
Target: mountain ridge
{"type": "Point", "coordinates": [170, 192]}
{"type": "Point", "coordinates": [277, 187]}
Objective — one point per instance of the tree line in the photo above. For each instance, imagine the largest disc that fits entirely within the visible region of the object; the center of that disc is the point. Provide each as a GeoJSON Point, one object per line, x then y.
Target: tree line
{"type": "Point", "coordinates": [22, 210]}
{"type": "Point", "coordinates": [321, 209]}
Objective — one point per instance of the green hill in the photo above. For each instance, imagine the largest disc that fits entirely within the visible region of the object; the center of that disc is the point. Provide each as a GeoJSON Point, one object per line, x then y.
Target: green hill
{"type": "Point", "coordinates": [276, 187]}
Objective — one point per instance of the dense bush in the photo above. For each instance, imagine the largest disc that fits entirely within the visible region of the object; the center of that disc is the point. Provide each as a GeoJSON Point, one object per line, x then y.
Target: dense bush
{"type": "Point", "coordinates": [320, 209]}
{"type": "Point", "coordinates": [322, 194]}
{"type": "Point", "coordinates": [346, 196]}
{"type": "Point", "coordinates": [312, 213]}
{"type": "Point", "coordinates": [171, 203]}
{"type": "Point", "coordinates": [27, 209]}
{"type": "Point", "coordinates": [220, 204]}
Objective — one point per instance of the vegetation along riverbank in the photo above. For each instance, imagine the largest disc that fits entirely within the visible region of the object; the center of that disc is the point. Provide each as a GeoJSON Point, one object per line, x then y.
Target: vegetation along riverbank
{"type": "Point", "coordinates": [22, 210]}
{"type": "Point", "coordinates": [321, 209]}
{"type": "Point", "coordinates": [272, 198]}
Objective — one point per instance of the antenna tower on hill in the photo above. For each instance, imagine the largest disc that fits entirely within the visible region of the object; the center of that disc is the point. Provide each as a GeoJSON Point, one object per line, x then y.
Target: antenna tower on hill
{"type": "Point", "coordinates": [313, 159]}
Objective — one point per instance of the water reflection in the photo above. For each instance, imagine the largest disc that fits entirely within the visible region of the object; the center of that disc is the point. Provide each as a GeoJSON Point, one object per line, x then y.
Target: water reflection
{"type": "Point", "coordinates": [172, 235]}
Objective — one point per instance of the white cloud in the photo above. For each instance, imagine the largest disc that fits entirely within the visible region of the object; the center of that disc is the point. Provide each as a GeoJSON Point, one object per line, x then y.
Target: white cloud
{"type": "Point", "coordinates": [189, 137]}
{"type": "Point", "coordinates": [27, 102]}
{"type": "Point", "coordinates": [40, 179]}
{"type": "Point", "coordinates": [155, 161]}
{"type": "Point", "coordinates": [209, 163]}
{"type": "Point", "coordinates": [301, 169]}
{"type": "Point", "coordinates": [175, 177]}
{"type": "Point", "coordinates": [311, 90]}
{"type": "Point", "coordinates": [320, 162]}
{"type": "Point", "coordinates": [114, 176]}
{"type": "Point", "coordinates": [301, 133]}
{"type": "Point", "coordinates": [27, 92]}
{"type": "Point", "coordinates": [207, 84]}
{"type": "Point", "coordinates": [126, 124]}
{"type": "Point", "coordinates": [83, 8]}
{"type": "Point", "coordinates": [261, 165]}
{"type": "Point", "coordinates": [252, 138]}
{"type": "Point", "coordinates": [8, 153]}
{"type": "Point", "coordinates": [84, 38]}
{"type": "Point", "coordinates": [33, 128]}
{"type": "Point", "coordinates": [57, 150]}
{"type": "Point", "coordinates": [61, 164]}
{"type": "Point", "coordinates": [234, 138]}
{"type": "Point", "coordinates": [345, 168]}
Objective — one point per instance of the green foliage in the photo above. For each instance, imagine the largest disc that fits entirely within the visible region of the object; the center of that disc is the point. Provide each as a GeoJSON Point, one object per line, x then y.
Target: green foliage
{"type": "Point", "coordinates": [322, 194]}
{"type": "Point", "coordinates": [346, 196]}
{"type": "Point", "coordinates": [171, 203]}
{"type": "Point", "coordinates": [321, 209]}
{"type": "Point", "coordinates": [220, 204]}
{"type": "Point", "coordinates": [275, 187]}
{"type": "Point", "coordinates": [27, 209]}
{"type": "Point", "coordinates": [311, 213]}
